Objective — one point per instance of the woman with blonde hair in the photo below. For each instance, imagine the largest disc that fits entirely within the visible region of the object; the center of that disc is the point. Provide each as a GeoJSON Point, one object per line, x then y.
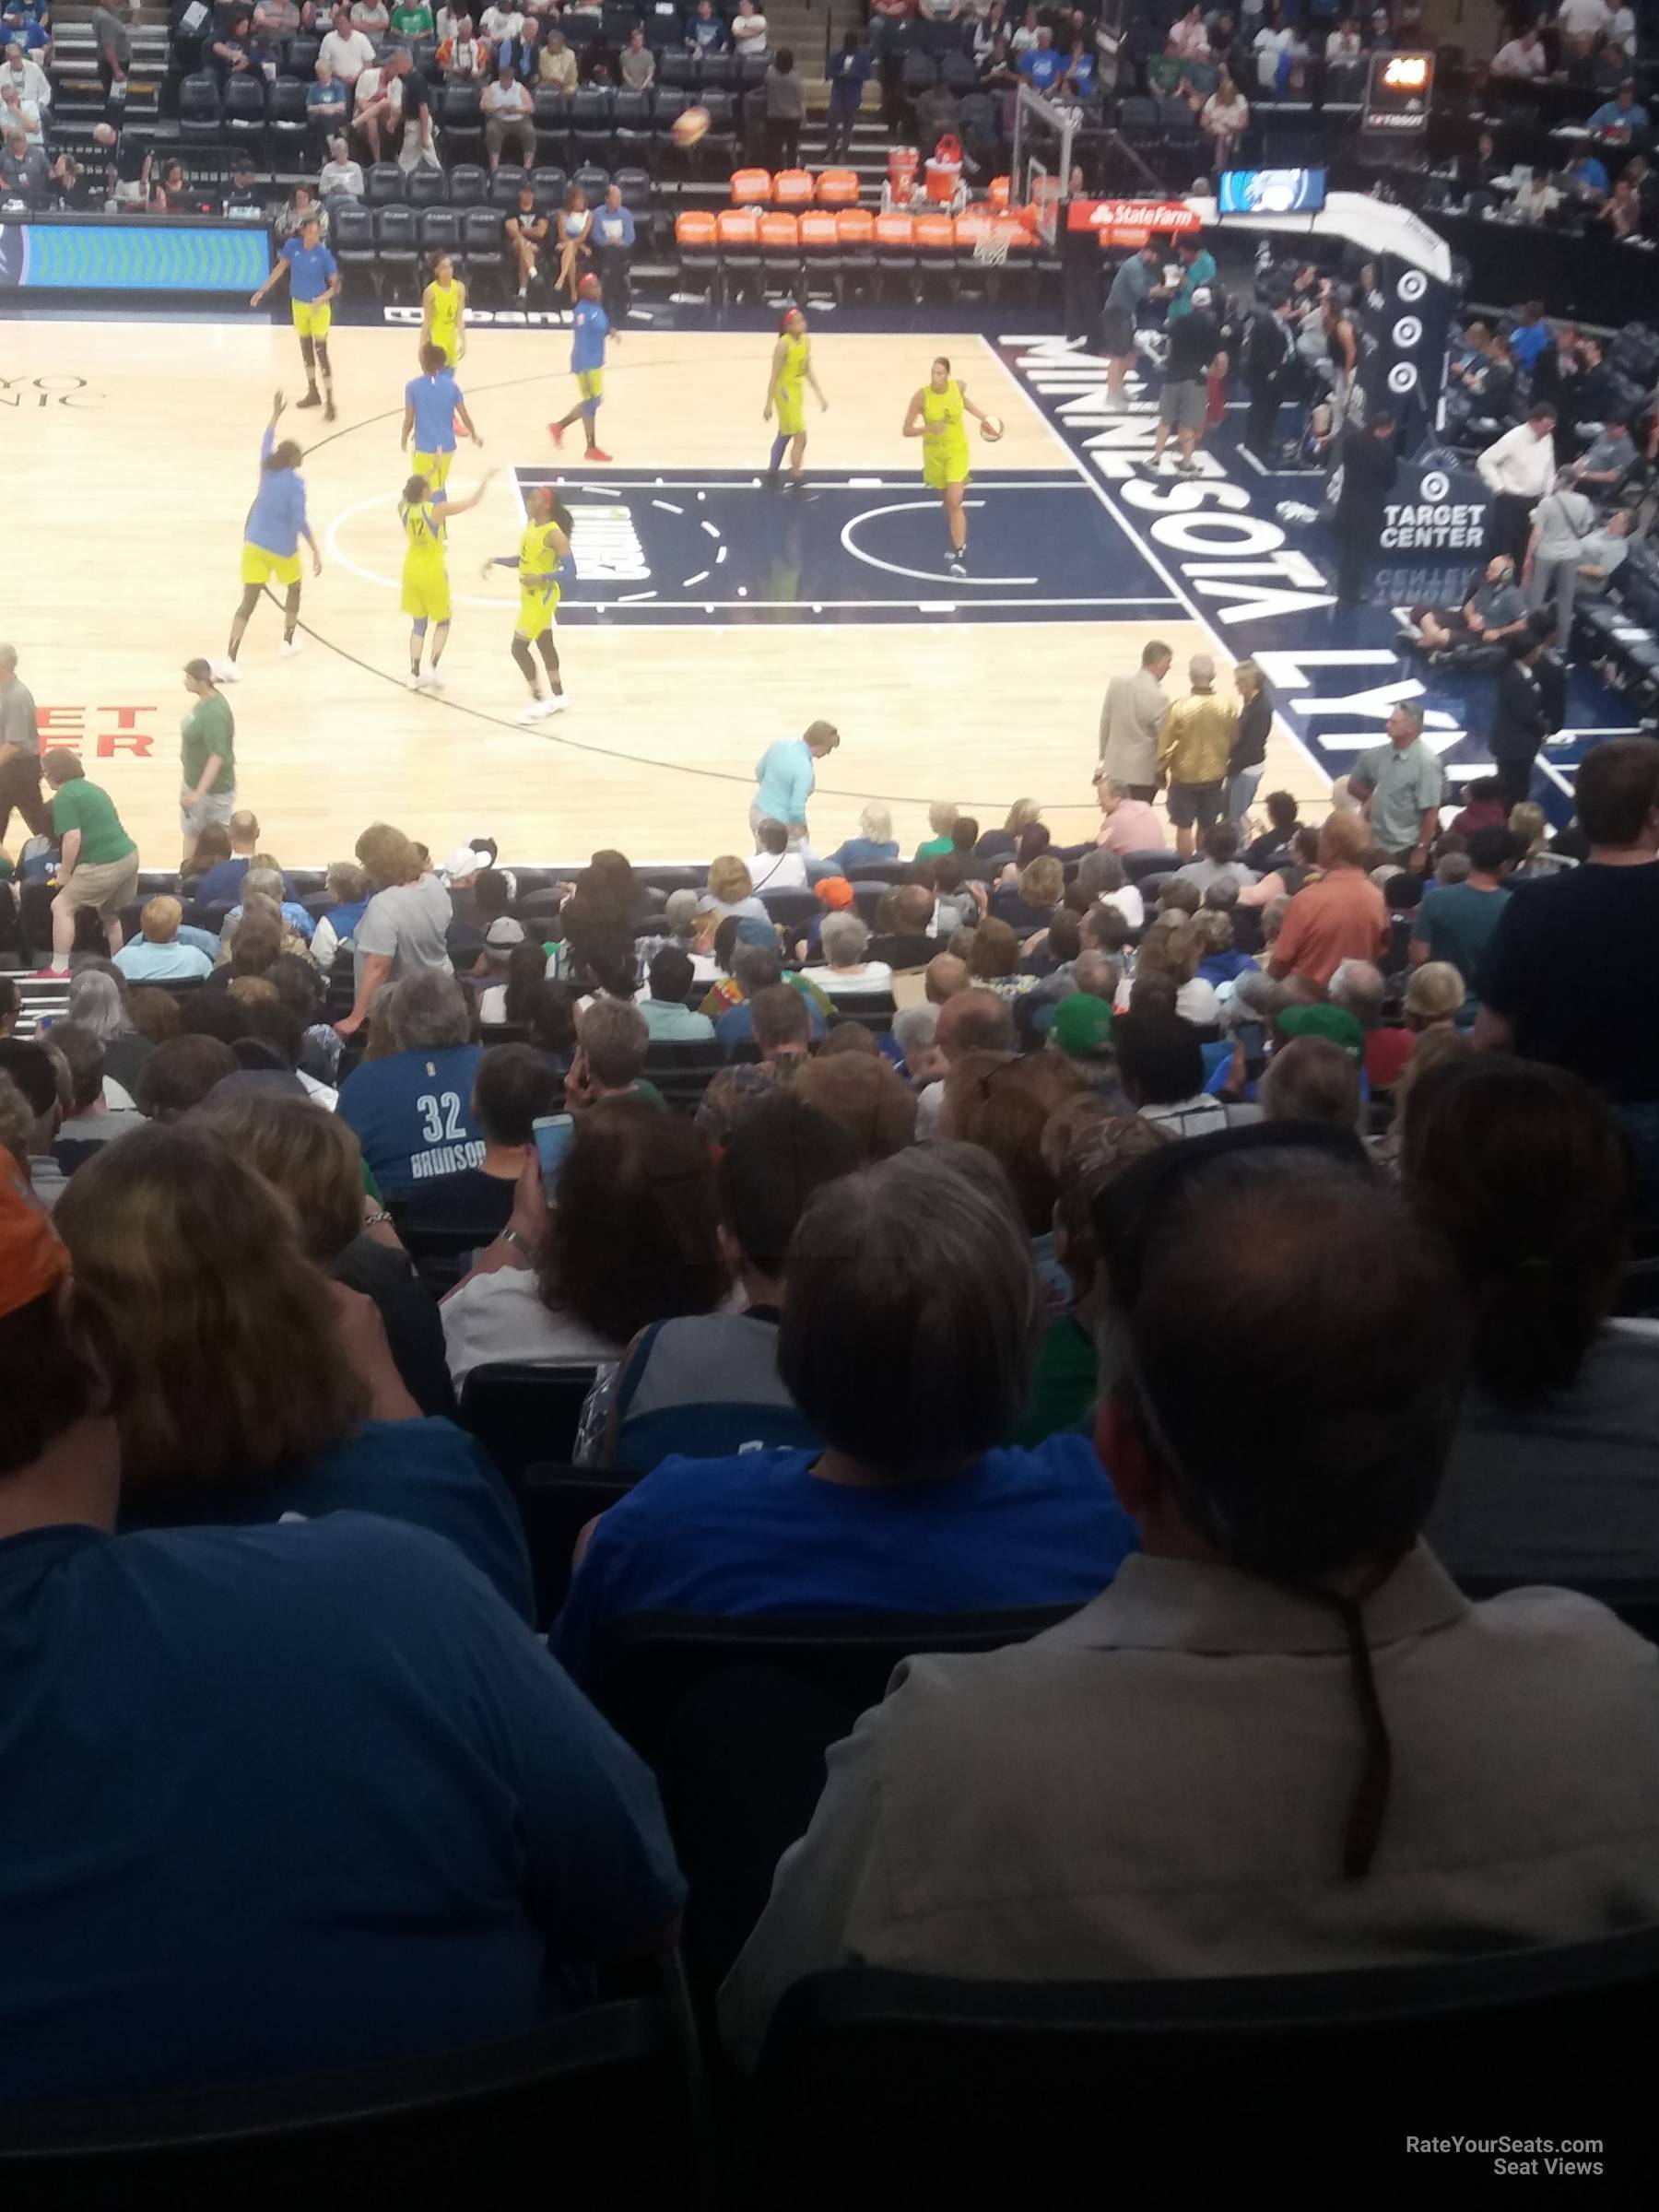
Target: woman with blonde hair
{"type": "Point", "coordinates": [1434, 996]}
{"type": "Point", "coordinates": [1028, 902]}
{"type": "Point", "coordinates": [1171, 949]}
{"type": "Point", "coordinates": [875, 841]}
{"type": "Point", "coordinates": [1529, 826]}
{"type": "Point", "coordinates": [731, 890]}
{"type": "Point", "coordinates": [942, 818]}
{"type": "Point", "coordinates": [245, 1392]}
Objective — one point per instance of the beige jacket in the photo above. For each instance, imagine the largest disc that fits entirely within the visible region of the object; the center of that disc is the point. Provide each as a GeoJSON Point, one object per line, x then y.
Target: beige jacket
{"type": "Point", "coordinates": [1159, 1786]}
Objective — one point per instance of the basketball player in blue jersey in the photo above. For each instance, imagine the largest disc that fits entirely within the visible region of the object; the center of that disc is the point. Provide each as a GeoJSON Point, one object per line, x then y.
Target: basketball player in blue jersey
{"type": "Point", "coordinates": [313, 278]}
{"type": "Point", "coordinates": [432, 406]}
{"type": "Point", "coordinates": [592, 327]}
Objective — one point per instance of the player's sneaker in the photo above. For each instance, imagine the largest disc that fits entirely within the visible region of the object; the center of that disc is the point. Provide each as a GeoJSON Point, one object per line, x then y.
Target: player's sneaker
{"type": "Point", "coordinates": [291, 646]}
{"type": "Point", "coordinates": [555, 704]}
{"type": "Point", "coordinates": [328, 408]}
{"type": "Point", "coordinates": [415, 681]}
{"type": "Point", "coordinates": [595, 452]}
{"type": "Point", "coordinates": [535, 710]}
{"type": "Point", "coordinates": [555, 432]}
{"type": "Point", "coordinates": [227, 672]}
{"type": "Point", "coordinates": [434, 682]}
{"type": "Point", "coordinates": [314, 398]}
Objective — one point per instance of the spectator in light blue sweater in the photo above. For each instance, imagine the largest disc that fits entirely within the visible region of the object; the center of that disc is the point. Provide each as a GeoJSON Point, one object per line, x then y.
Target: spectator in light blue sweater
{"type": "Point", "coordinates": [786, 773]}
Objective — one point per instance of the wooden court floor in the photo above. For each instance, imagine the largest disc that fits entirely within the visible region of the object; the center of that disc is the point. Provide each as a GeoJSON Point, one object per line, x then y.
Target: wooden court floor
{"type": "Point", "coordinates": [131, 453]}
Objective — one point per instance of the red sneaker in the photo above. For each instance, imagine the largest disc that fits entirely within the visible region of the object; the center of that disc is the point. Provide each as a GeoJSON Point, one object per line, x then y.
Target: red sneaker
{"type": "Point", "coordinates": [597, 452]}
{"type": "Point", "coordinates": [555, 432]}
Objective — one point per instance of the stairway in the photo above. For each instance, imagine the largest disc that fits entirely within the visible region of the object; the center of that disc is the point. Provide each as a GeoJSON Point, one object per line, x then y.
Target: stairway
{"type": "Point", "coordinates": [77, 94]}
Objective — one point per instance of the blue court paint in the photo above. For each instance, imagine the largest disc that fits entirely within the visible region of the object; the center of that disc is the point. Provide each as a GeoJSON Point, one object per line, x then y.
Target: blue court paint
{"type": "Point", "coordinates": [1230, 544]}
{"type": "Point", "coordinates": [689, 545]}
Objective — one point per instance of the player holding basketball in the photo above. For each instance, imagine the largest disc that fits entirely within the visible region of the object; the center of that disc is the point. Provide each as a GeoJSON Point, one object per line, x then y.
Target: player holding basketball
{"type": "Point", "coordinates": [443, 310]}
{"type": "Point", "coordinates": [432, 406]}
{"type": "Point", "coordinates": [590, 328]}
{"type": "Point", "coordinates": [426, 513]}
{"type": "Point", "coordinates": [313, 278]}
{"type": "Point", "coordinates": [934, 415]}
{"type": "Point", "coordinates": [786, 383]}
{"type": "Point", "coordinates": [275, 524]}
{"type": "Point", "coordinates": [543, 550]}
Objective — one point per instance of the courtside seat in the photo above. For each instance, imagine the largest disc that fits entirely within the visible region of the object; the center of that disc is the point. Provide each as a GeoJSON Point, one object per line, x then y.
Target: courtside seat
{"type": "Point", "coordinates": [632, 123]}
{"type": "Point", "coordinates": [483, 242]}
{"type": "Point", "coordinates": [468, 185]}
{"type": "Point", "coordinates": [286, 120]}
{"type": "Point", "coordinates": [838, 188]}
{"type": "Point", "coordinates": [459, 120]}
{"type": "Point", "coordinates": [718, 72]}
{"type": "Point", "coordinates": [385, 184]}
{"type": "Point", "coordinates": [678, 71]}
{"type": "Point", "coordinates": [722, 141]}
{"type": "Point", "coordinates": [737, 232]}
{"type": "Point", "coordinates": [242, 109]}
{"type": "Point", "coordinates": [751, 187]}
{"type": "Point", "coordinates": [634, 184]}
{"type": "Point", "coordinates": [781, 250]}
{"type": "Point", "coordinates": [440, 232]}
{"type": "Point", "coordinates": [550, 186]}
{"type": "Point", "coordinates": [820, 247]}
{"type": "Point", "coordinates": [592, 135]}
{"type": "Point", "coordinates": [395, 238]}
{"type": "Point", "coordinates": [695, 239]}
{"type": "Point", "coordinates": [896, 247]}
{"type": "Point", "coordinates": [299, 59]}
{"type": "Point", "coordinates": [504, 187]}
{"type": "Point", "coordinates": [351, 237]}
{"type": "Point", "coordinates": [426, 187]}
{"type": "Point", "coordinates": [551, 113]}
{"type": "Point", "coordinates": [792, 188]}
{"type": "Point", "coordinates": [856, 235]}
{"type": "Point", "coordinates": [199, 110]}
{"type": "Point", "coordinates": [934, 238]}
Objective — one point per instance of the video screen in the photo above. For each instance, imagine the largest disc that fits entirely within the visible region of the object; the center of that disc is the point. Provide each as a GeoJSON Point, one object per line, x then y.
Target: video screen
{"type": "Point", "coordinates": [1271, 191]}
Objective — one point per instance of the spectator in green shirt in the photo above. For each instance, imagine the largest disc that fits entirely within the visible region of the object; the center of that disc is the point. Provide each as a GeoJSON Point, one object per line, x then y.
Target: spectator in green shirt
{"type": "Point", "coordinates": [99, 863]}
{"type": "Point", "coordinates": [413, 22]}
{"type": "Point", "coordinates": [208, 750]}
{"type": "Point", "coordinates": [1455, 924]}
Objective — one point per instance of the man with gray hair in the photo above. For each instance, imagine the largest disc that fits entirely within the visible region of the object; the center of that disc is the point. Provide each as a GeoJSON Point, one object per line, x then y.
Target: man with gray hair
{"type": "Point", "coordinates": [1194, 746]}
{"type": "Point", "coordinates": [1130, 720]}
{"type": "Point", "coordinates": [1358, 987]}
{"type": "Point", "coordinates": [19, 751]}
{"type": "Point", "coordinates": [916, 1032]}
{"type": "Point", "coordinates": [1400, 786]}
{"type": "Point", "coordinates": [413, 1111]}
{"type": "Point", "coordinates": [848, 971]}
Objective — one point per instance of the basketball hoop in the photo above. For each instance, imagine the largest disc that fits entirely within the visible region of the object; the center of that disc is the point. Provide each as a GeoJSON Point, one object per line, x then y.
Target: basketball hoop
{"type": "Point", "coordinates": [991, 249]}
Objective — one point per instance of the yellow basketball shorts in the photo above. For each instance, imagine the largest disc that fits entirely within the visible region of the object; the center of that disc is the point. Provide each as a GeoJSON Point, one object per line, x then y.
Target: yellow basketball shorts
{"type": "Point", "coordinates": [312, 318]}
{"type": "Point", "coordinates": [434, 468]}
{"type": "Point", "coordinates": [259, 566]}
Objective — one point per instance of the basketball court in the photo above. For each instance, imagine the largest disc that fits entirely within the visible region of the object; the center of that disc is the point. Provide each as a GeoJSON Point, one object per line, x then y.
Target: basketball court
{"type": "Point", "coordinates": [709, 617]}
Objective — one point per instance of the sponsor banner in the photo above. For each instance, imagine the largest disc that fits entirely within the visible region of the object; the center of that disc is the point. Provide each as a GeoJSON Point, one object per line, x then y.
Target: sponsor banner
{"type": "Point", "coordinates": [1131, 222]}
{"type": "Point", "coordinates": [1439, 508]}
{"type": "Point", "coordinates": [134, 253]}
{"type": "Point", "coordinates": [496, 318]}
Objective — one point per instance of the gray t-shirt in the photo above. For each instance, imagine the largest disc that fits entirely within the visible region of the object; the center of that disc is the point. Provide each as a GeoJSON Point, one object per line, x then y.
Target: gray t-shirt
{"type": "Point", "coordinates": [1499, 604]}
{"type": "Point", "coordinates": [1601, 550]}
{"type": "Point", "coordinates": [407, 925]}
{"type": "Point", "coordinates": [1131, 284]}
{"type": "Point", "coordinates": [17, 726]}
{"type": "Point", "coordinates": [1564, 1489]}
{"type": "Point", "coordinates": [108, 30]}
{"type": "Point", "coordinates": [1564, 519]}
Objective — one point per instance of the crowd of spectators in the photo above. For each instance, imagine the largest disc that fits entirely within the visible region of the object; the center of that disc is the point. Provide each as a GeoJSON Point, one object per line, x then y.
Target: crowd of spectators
{"type": "Point", "coordinates": [897, 1237]}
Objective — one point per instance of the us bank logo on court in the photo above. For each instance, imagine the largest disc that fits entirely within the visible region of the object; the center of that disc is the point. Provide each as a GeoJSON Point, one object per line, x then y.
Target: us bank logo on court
{"type": "Point", "coordinates": [684, 545]}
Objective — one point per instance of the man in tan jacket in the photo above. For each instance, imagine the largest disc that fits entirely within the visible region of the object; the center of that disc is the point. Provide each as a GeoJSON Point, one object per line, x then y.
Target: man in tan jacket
{"type": "Point", "coordinates": [1193, 749]}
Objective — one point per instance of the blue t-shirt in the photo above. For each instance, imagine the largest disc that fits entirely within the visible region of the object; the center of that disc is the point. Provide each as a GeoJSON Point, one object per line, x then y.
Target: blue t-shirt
{"type": "Point", "coordinates": [737, 1025]}
{"type": "Point", "coordinates": [761, 1533]}
{"type": "Point", "coordinates": [1042, 66]}
{"type": "Point", "coordinates": [1586, 171]}
{"type": "Point", "coordinates": [434, 400]}
{"type": "Point", "coordinates": [1610, 116]}
{"type": "Point", "coordinates": [221, 885]}
{"type": "Point", "coordinates": [282, 1800]}
{"type": "Point", "coordinates": [589, 326]}
{"type": "Point", "coordinates": [412, 1114]}
{"type": "Point", "coordinates": [428, 1473]}
{"type": "Point", "coordinates": [277, 515]}
{"type": "Point", "coordinates": [860, 852]}
{"type": "Point", "coordinates": [311, 269]}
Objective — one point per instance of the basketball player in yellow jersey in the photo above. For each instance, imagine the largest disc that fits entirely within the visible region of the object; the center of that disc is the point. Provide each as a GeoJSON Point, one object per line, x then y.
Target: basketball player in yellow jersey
{"type": "Point", "coordinates": [543, 549]}
{"type": "Point", "coordinates": [443, 310]}
{"type": "Point", "coordinates": [935, 415]}
{"type": "Point", "coordinates": [426, 513]}
{"type": "Point", "coordinates": [786, 383]}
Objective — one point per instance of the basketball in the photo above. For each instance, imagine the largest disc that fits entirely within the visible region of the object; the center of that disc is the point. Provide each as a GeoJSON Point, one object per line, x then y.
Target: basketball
{"type": "Point", "coordinates": [990, 429]}
{"type": "Point", "coordinates": [689, 128]}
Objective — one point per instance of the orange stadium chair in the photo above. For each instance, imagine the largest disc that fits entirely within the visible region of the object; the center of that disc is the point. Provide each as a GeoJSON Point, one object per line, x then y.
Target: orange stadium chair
{"type": "Point", "coordinates": [792, 188]}
{"type": "Point", "coordinates": [838, 188]}
{"type": "Point", "coordinates": [820, 249]}
{"type": "Point", "coordinates": [896, 252]}
{"type": "Point", "coordinates": [856, 235]}
{"type": "Point", "coordinates": [936, 249]}
{"type": "Point", "coordinates": [998, 192]}
{"type": "Point", "coordinates": [694, 239]}
{"type": "Point", "coordinates": [781, 252]}
{"type": "Point", "coordinates": [751, 187]}
{"type": "Point", "coordinates": [737, 232]}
